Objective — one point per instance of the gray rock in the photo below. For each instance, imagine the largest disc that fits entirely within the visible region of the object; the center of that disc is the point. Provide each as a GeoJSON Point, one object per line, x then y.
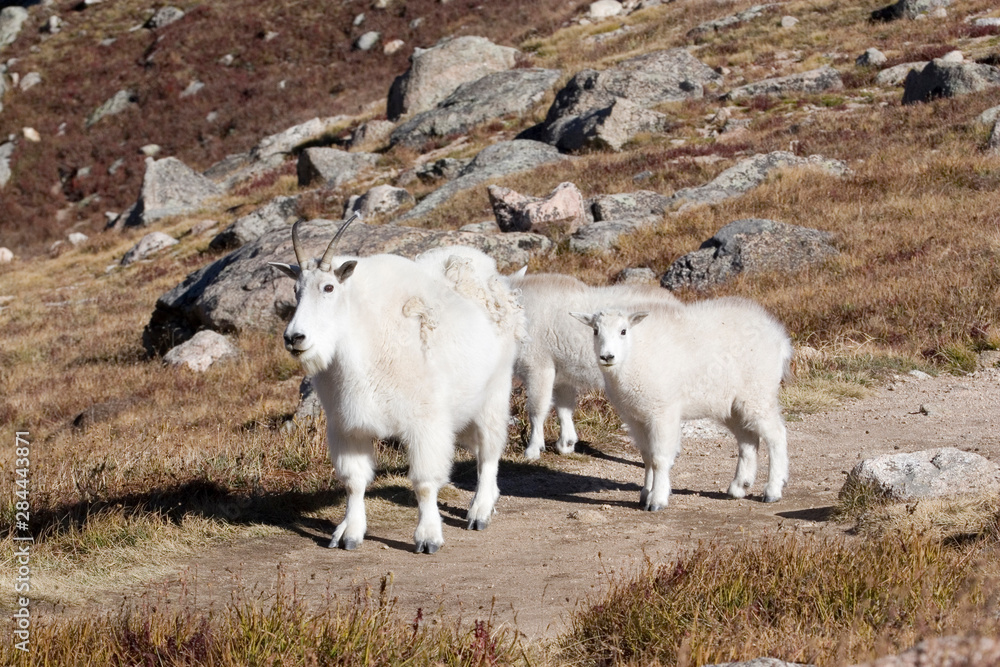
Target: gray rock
{"type": "Point", "coordinates": [241, 292]}
{"type": "Point", "coordinates": [367, 41]}
{"type": "Point", "coordinates": [910, 9]}
{"type": "Point", "coordinates": [637, 276]}
{"type": "Point", "coordinates": [989, 117]}
{"type": "Point", "coordinates": [500, 159]}
{"type": "Point", "coordinates": [285, 142]}
{"type": "Point", "coordinates": [557, 215]}
{"type": "Point", "coordinates": [789, 21]}
{"type": "Point", "coordinates": [731, 21]}
{"type": "Point", "coordinates": [603, 9]}
{"type": "Point", "coordinates": [814, 81]}
{"type": "Point", "coordinates": [30, 80]}
{"type": "Point", "coordinates": [642, 203]}
{"type": "Point", "coordinates": [436, 72]}
{"type": "Point", "coordinates": [169, 187]}
{"type": "Point", "coordinates": [871, 58]}
{"type": "Point", "coordinates": [749, 245]}
{"type": "Point", "coordinates": [201, 351]}
{"type": "Point", "coordinates": [309, 407]}
{"type": "Point", "coordinates": [446, 168]}
{"type": "Point", "coordinates": [495, 95]}
{"type": "Point", "coordinates": [896, 75]}
{"type": "Point", "coordinates": [602, 236]}
{"type": "Point", "coordinates": [163, 17]}
{"type": "Point", "coordinates": [610, 127]}
{"type": "Point", "coordinates": [278, 213]}
{"type": "Point", "coordinates": [932, 473]}
{"type": "Point", "coordinates": [748, 174]}
{"type": "Point", "coordinates": [6, 151]}
{"type": "Point", "coordinates": [955, 651]}
{"type": "Point", "coordinates": [77, 238]}
{"type": "Point", "coordinates": [993, 143]}
{"type": "Point", "coordinates": [941, 78]}
{"type": "Point", "coordinates": [148, 245]}
{"type": "Point", "coordinates": [370, 134]}
{"type": "Point", "coordinates": [11, 22]}
{"type": "Point", "coordinates": [660, 76]}
{"type": "Point", "coordinates": [193, 88]}
{"type": "Point", "coordinates": [331, 167]}
{"type": "Point", "coordinates": [120, 102]}
{"type": "Point", "coordinates": [380, 199]}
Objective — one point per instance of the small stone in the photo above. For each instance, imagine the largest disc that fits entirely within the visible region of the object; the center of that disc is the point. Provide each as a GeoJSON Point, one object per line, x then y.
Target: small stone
{"type": "Point", "coordinates": [871, 58]}
{"type": "Point", "coordinates": [203, 350]}
{"type": "Point", "coordinates": [77, 238]}
{"type": "Point", "coordinates": [919, 375]}
{"type": "Point", "coordinates": [6, 256]}
{"type": "Point", "coordinates": [367, 41]}
{"type": "Point", "coordinates": [204, 227]}
{"type": "Point", "coordinates": [603, 9]}
{"type": "Point", "coordinates": [148, 245]}
{"type": "Point", "coordinates": [31, 134]}
{"type": "Point", "coordinates": [789, 21]}
{"type": "Point", "coordinates": [393, 46]}
{"type": "Point", "coordinates": [358, 20]}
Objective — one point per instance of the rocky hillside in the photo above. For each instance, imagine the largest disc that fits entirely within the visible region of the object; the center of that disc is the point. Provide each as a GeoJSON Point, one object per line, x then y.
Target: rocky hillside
{"type": "Point", "coordinates": [659, 134]}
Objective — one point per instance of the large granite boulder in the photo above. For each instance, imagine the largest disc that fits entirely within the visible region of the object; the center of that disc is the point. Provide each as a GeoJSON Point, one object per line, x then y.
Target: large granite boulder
{"type": "Point", "coordinates": [169, 187]}
{"type": "Point", "coordinates": [436, 72]}
{"type": "Point", "coordinates": [240, 291]}
{"type": "Point", "coordinates": [749, 245]}
{"type": "Point", "coordinates": [942, 78]}
{"type": "Point", "coordinates": [932, 473]}
{"type": "Point", "coordinates": [660, 76]}
{"type": "Point", "coordinates": [495, 95]}
{"type": "Point", "coordinates": [557, 215]}
{"type": "Point", "coordinates": [332, 167]}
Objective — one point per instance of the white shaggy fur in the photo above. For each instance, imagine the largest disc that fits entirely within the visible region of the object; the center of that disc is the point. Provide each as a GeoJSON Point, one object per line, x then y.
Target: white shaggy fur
{"type": "Point", "coordinates": [557, 359]}
{"type": "Point", "coordinates": [722, 358]}
{"type": "Point", "coordinates": [396, 351]}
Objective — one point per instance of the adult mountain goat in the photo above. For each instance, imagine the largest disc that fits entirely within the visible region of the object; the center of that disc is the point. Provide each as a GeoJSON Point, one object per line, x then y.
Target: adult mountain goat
{"type": "Point", "coordinates": [722, 358]}
{"type": "Point", "coordinates": [557, 361]}
{"type": "Point", "coordinates": [396, 350]}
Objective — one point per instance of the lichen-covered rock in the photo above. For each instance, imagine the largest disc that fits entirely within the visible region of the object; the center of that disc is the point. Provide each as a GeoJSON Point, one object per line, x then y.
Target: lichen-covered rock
{"type": "Point", "coordinates": [201, 351]}
{"type": "Point", "coordinates": [119, 102]}
{"type": "Point", "coordinates": [750, 173]}
{"type": "Point", "coordinates": [163, 17]}
{"type": "Point", "coordinates": [642, 203]}
{"type": "Point", "coordinates": [331, 167]}
{"type": "Point", "coordinates": [942, 78]}
{"type": "Point", "coordinates": [169, 187]}
{"type": "Point", "coordinates": [909, 9]}
{"type": "Point", "coordinates": [731, 21]}
{"type": "Point", "coordinates": [750, 245]}
{"type": "Point", "coordinates": [932, 473]}
{"type": "Point", "coordinates": [12, 20]}
{"type": "Point", "coordinates": [557, 215]}
{"type": "Point", "coordinates": [380, 199]}
{"type": "Point", "coordinates": [277, 213]}
{"type": "Point", "coordinates": [495, 95]}
{"type": "Point", "coordinates": [435, 72]}
{"type": "Point", "coordinates": [819, 80]}
{"type": "Point", "coordinates": [609, 127]}
{"type": "Point", "coordinates": [148, 245]}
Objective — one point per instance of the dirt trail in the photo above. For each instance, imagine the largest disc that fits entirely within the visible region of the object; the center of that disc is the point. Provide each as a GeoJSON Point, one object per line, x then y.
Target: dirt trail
{"type": "Point", "coordinates": [560, 534]}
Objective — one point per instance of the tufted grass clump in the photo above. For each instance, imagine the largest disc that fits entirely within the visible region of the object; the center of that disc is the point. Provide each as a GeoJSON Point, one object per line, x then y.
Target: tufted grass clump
{"type": "Point", "coordinates": [279, 630]}
{"type": "Point", "coordinates": [793, 597]}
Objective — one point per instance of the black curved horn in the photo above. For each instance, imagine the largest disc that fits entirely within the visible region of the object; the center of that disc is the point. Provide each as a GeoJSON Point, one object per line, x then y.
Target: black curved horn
{"type": "Point", "coordinates": [324, 263]}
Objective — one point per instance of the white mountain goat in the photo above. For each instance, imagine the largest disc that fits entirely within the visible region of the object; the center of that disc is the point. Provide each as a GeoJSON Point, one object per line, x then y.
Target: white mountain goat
{"type": "Point", "coordinates": [722, 358]}
{"type": "Point", "coordinates": [396, 351]}
{"type": "Point", "coordinates": [557, 359]}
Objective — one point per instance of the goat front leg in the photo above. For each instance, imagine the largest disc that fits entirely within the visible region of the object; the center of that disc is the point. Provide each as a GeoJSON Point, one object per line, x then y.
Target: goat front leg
{"type": "Point", "coordinates": [659, 444]}
{"type": "Point", "coordinates": [565, 400]}
{"type": "Point", "coordinates": [538, 386]}
{"type": "Point", "coordinates": [354, 461]}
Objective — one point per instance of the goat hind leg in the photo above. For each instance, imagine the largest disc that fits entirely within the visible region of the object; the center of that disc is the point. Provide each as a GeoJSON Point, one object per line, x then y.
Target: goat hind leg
{"type": "Point", "coordinates": [565, 400]}
{"type": "Point", "coordinates": [538, 386]}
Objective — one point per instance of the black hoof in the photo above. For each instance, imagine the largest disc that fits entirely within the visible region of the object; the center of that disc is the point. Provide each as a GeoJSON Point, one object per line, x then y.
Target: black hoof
{"type": "Point", "coordinates": [771, 499]}
{"type": "Point", "coordinates": [478, 524]}
{"type": "Point", "coordinates": [349, 545]}
{"type": "Point", "coordinates": [427, 547]}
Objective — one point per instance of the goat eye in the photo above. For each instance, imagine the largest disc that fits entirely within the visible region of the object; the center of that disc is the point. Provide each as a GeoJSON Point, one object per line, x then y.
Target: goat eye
{"type": "Point", "coordinates": [623, 332]}
{"type": "Point", "coordinates": [595, 332]}
{"type": "Point", "coordinates": [327, 288]}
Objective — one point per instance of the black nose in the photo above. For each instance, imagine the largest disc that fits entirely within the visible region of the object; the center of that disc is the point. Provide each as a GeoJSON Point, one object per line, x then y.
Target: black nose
{"type": "Point", "coordinates": [294, 339]}
{"type": "Point", "coordinates": [607, 357]}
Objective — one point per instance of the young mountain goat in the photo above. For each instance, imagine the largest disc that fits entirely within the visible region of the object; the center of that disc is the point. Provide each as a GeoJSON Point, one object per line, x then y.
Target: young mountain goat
{"type": "Point", "coordinates": [722, 358]}
{"type": "Point", "coordinates": [396, 351]}
{"type": "Point", "coordinates": [557, 359]}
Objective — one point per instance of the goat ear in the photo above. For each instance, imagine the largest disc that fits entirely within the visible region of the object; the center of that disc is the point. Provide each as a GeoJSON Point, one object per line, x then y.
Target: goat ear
{"type": "Point", "coordinates": [586, 318]}
{"type": "Point", "coordinates": [635, 318]}
{"type": "Point", "coordinates": [290, 270]}
{"type": "Point", "coordinates": [345, 270]}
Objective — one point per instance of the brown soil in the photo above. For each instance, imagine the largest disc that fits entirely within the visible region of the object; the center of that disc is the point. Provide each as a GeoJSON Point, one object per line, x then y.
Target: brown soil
{"type": "Point", "coordinates": [560, 534]}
